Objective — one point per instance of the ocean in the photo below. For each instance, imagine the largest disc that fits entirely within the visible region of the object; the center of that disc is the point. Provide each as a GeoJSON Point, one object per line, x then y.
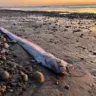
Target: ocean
{"type": "Point", "coordinates": [61, 8]}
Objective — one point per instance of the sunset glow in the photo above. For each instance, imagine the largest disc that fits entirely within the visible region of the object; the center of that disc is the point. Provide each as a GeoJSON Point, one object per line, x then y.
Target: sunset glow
{"type": "Point", "coordinates": [42, 2]}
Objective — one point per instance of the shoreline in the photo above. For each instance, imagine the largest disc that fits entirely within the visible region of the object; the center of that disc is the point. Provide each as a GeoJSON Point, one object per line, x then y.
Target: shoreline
{"type": "Point", "coordinates": [68, 15]}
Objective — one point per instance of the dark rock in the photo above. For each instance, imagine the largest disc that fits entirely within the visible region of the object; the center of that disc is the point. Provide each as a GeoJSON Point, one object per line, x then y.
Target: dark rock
{"type": "Point", "coordinates": [94, 53]}
{"type": "Point", "coordinates": [78, 30]}
{"type": "Point", "coordinates": [67, 87]}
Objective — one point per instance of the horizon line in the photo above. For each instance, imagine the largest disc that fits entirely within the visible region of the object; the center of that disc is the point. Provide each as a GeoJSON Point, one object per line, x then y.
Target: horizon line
{"type": "Point", "coordinates": [44, 5]}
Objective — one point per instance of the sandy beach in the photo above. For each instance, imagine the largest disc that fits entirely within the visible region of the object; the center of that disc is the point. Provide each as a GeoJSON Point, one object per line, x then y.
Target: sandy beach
{"type": "Point", "coordinates": [71, 39]}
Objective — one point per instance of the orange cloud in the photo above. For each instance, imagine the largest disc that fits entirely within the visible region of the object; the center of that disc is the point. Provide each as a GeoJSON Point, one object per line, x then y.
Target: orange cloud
{"type": "Point", "coordinates": [44, 2]}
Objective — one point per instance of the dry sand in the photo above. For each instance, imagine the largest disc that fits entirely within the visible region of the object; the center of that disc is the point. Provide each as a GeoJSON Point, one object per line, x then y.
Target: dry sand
{"type": "Point", "coordinates": [73, 40]}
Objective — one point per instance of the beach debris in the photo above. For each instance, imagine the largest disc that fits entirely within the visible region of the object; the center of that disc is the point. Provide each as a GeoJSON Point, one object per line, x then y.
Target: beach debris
{"type": "Point", "coordinates": [4, 75]}
{"type": "Point", "coordinates": [38, 76]}
{"type": "Point", "coordinates": [40, 55]}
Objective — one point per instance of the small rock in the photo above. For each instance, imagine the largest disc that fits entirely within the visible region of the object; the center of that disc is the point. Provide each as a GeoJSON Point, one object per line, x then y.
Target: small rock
{"type": "Point", "coordinates": [12, 71]}
{"type": "Point", "coordinates": [25, 77]}
{"type": "Point", "coordinates": [4, 75]}
{"type": "Point", "coordinates": [30, 69]}
{"type": "Point", "coordinates": [22, 73]}
{"type": "Point", "coordinates": [10, 90]}
{"type": "Point", "coordinates": [24, 88]}
{"type": "Point", "coordinates": [57, 83]}
{"type": "Point", "coordinates": [67, 87]}
{"type": "Point", "coordinates": [12, 64]}
{"type": "Point", "coordinates": [3, 39]}
{"type": "Point", "coordinates": [94, 73]}
{"type": "Point", "coordinates": [3, 51]}
{"type": "Point", "coordinates": [1, 94]}
{"type": "Point", "coordinates": [67, 26]}
{"type": "Point", "coordinates": [3, 89]}
{"type": "Point", "coordinates": [81, 35]}
{"type": "Point", "coordinates": [12, 84]}
{"type": "Point", "coordinates": [12, 60]}
{"type": "Point", "coordinates": [15, 56]}
{"type": "Point", "coordinates": [6, 45]}
{"type": "Point", "coordinates": [82, 58]}
{"type": "Point", "coordinates": [38, 76]}
{"type": "Point", "coordinates": [3, 57]}
{"type": "Point", "coordinates": [94, 52]}
{"type": "Point", "coordinates": [19, 85]}
{"type": "Point", "coordinates": [78, 30]}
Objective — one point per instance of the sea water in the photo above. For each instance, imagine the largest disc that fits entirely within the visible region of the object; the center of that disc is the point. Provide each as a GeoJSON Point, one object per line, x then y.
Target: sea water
{"type": "Point", "coordinates": [61, 8]}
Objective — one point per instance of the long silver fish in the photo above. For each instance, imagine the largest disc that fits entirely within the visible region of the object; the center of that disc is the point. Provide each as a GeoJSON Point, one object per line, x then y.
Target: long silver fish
{"type": "Point", "coordinates": [40, 55]}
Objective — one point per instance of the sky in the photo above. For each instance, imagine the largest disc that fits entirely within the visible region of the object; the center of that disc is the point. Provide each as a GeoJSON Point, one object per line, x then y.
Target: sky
{"type": "Point", "coordinates": [43, 2]}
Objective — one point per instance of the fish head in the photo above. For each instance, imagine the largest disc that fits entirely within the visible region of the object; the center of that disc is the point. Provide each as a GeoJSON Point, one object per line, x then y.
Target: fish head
{"type": "Point", "coordinates": [69, 68]}
{"type": "Point", "coordinates": [64, 67]}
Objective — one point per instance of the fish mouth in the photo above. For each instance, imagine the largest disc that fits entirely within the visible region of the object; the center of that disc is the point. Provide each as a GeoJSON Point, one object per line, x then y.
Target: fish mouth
{"type": "Point", "coordinates": [66, 70]}
{"type": "Point", "coordinates": [69, 68]}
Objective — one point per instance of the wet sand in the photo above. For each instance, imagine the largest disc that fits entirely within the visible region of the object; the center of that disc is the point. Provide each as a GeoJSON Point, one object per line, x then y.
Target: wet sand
{"type": "Point", "coordinates": [73, 40]}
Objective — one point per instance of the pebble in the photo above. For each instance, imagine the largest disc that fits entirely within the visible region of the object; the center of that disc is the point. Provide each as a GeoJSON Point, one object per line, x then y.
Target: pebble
{"type": "Point", "coordinates": [10, 90]}
{"type": "Point", "coordinates": [6, 45]}
{"type": "Point", "coordinates": [12, 60]}
{"type": "Point", "coordinates": [67, 87]}
{"type": "Point", "coordinates": [3, 51]}
{"type": "Point", "coordinates": [24, 88]}
{"type": "Point", "coordinates": [3, 89]}
{"type": "Point", "coordinates": [12, 64]}
{"type": "Point", "coordinates": [30, 69]}
{"type": "Point", "coordinates": [57, 83]}
{"type": "Point", "coordinates": [94, 52]}
{"type": "Point", "coordinates": [22, 73]}
{"type": "Point", "coordinates": [25, 77]}
{"type": "Point", "coordinates": [15, 56]}
{"type": "Point", "coordinates": [1, 94]}
{"type": "Point", "coordinates": [38, 76]}
{"type": "Point", "coordinates": [3, 57]}
{"type": "Point", "coordinates": [78, 30]}
{"type": "Point", "coordinates": [4, 75]}
{"type": "Point", "coordinates": [3, 39]}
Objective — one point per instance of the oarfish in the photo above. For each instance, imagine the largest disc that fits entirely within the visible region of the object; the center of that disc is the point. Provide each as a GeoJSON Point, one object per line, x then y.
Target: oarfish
{"type": "Point", "coordinates": [40, 55]}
